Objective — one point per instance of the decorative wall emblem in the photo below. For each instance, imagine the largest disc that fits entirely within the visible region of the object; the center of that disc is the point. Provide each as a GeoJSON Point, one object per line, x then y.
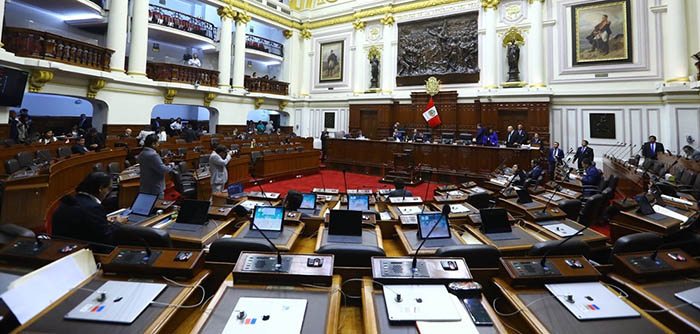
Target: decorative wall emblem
{"type": "Point", "coordinates": [432, 86]}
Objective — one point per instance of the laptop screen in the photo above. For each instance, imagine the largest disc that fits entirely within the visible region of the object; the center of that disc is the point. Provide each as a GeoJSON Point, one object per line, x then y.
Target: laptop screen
{"type": "Point", "coordinates": [143, 204]}
{"type": "Point", "coordinates": [193, 212]}
{"type": "Point", "coordinates": [308, 201]}
{"type": "Point", "coordinates": [358, 202]}
{"type": "Point", "coordinates": [268, 218]}
{"type": "Point", "coordinates": [494, 220]}
{"type": "Point", "coordinates": [645, 207]}
{"type": "Point", "coordinates": [426, 221]}
{"type": "Point", "coordinates": [523, 195]}
{"type": "Point", "coordinates": [345, 222]}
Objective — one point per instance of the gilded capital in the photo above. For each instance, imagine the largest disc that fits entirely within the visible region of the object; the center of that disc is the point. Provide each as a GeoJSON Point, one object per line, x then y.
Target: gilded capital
{"type": "Point", "coordinates": [169, 95]}
{"type": "Point", "coordinates": [490, 3]}
{"type": "Point", "coordinates": [531, 1]}
{"type": "Point", "coordinates": [208, 98]}
{"type": "Point", "coordinates": [359, 25]}
{"type": "Point", "coordinates": [388, 20]}
{"type": "Point", "coordinates": [94, 86]}
{"type": "Point", "coordinates": [288, 34]}
{"type": "Point", "coordinates": [305, 33]}
{"type": "Point", "coordinates": [226, 12]}
{"type": "Point", "coordinates": [259, 102]}
{"type": "Point", "coordinates": [243, 17]}
{"type": "Point", "coordinates": [374, 53]}
{"type": "Point", "coordinates": [38, 79]}
{"type": "Point", "coordinates": [283, 104]}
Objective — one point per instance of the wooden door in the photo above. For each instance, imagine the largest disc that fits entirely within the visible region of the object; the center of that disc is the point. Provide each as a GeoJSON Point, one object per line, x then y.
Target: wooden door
{"type": "Point", "coordinates": [368, 123]}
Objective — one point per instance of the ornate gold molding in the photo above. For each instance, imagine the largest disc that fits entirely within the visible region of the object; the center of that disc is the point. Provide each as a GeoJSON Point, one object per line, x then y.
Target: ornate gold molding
{"type": "Point", "coordinates": [538, 85]}
{"type": "Point", "coordinates": [259, 102]}
{"type": "Point", "coordinates": [490, 3]}
{"type": "Point", "coordinates": [283, 104]}
{"type": "Point", "coordinates": [94, 86]}
{"type": "Point", "coordinates": [226, 12]}
{"type": "Point", "coordinates": [359, 24]}
{"type": "Point", "coordinates": [374, 52]}
{"type": "Point", "coordinates": [243, 17]}
{"type": "Point", "coordinates": [305, 33]}
{"type": "Point", "coordinates": [388, 20]}
{"type": "Point", "coordinates": [288, 34]}
{"type": "Point", "coordinates": [542, 1]}
{"type": "Point", "coordinates": [513, 33]}
{"type": "Point", "coordinates": [38, 79]}
{"type": "Point", "coordinates": [169, 95]}
{"type": "Point", "coordinates": [681, 79]}
{"type": "Point", "coordinates": [208, 98]}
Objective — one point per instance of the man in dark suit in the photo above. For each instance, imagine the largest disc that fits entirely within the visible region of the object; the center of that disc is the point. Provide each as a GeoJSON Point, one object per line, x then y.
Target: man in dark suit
{"type": "Point", "coordinates": [79, 147]}
{"type": "Point", "coordinates": [536, 170]}
{"type": "Point", "coordinates": [583, 152]}
{"type": "Point", "coordinates": [152, 168]}
{"type": "Point", "coordinates": [522, 134]}
{"type": "Point", "coordinates": [651, 148]}
{"type": "Point", "coordinates": [188, 133]}
{"type": "Point", "coordinates": [156, 124]}
{"type": "Point", "coordinates": [480, 133]}
{"type": "Point", "coordinates": [511, 137]}
{"type": "Point", "coordinates": [324, 142]}
{"type": "Point", "coordinates": [591, 177]}
{"type": "Point", "coordinates": [84, 123]}
{"type": "Point", "coordinates": [554, 157]}
{"type": "Point", "coordinates": [94, 141]}
{"type": "Point", "coordinates": [400, 190]}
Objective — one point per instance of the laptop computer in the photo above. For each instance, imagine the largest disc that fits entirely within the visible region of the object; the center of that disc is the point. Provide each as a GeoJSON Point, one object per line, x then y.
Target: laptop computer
{"type": "Point", "coordinates": [690, 296]}
{"type": "Point", "coordinates": [591, 301]}
{"type": "Point", "coordinates": [267, 219]}
{"type": "Point", "coordinates": [495, 224]}
{"type": "Point", "coordinates": [141, 208]}
{"type": "Point", "coordinates": [524, 197]}
{"type": "Point", "coordinates": [308, 204]}
{"type": "Point", "coordinates": [358, 202]}
{"type": "Point", "coordinates": [441, 236]}
{"type": "Point", "coordinates": [193, 214]}
{"type": "Point", "coordinates": [124, 303]}
{"type": "Point", "coordinates": [345, 226]}
{"type": "Point", "coordinates": [646, 209]}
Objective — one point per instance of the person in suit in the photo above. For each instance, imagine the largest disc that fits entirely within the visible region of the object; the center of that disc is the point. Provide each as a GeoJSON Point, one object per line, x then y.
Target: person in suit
{"type": "Point", "coordinates": [691, 153]}
{"type": "Point", "coordinates": [217, 168]}
{"type": "Point", "coordinates": [536, 170]}
{"type": "Point", "coordinates": [396, 126]}
{"type": "Point", "coordinates": [400, 190]}
{"type": "Point", "coordinates": [84, 123]}
{"type": "Point", "coordinates": [651, 148]}
{"type": "Point", "coordinates": [583, 152]}
{"type": "Point", "coordinates": [554, 158]}
{"type": "Point", "coordinates": [79, 147]}
{"type": "Point", "coordinates": [156, 124]}
{"type": "Point", "coordinates": [536, 139]}
{"type": "Point", "coordinates": [14, 122]}
{"type": "Point", "coordinates": [416, 135]}
{"type": "Point", "coordinates": [93, 140]}
{"type": "Point", "coordinates": [512, 138]}
{"type": "Point", "coordinates": [491, 139]}
{"type": "Point", "coordinates": [324, 142]}
{"type": "Point", "coordinates": [189, 135]}
{"type": "Point", "coordinates": [82, 216]}
{"type": "Point", "coordinates": [522, 134]}
{"type": "Point", "coordinates": [127, 133]}
{"type": "Point", "coordinates": [152, 168]}
{"type": "Point", "coordinates": [591, 176]}
{"type": "Point", "coordinates": [480, 133]}
{"type": "Point", "coordinates": [143, 134]}
{"type": "Point", "coordinates": [360, 135]}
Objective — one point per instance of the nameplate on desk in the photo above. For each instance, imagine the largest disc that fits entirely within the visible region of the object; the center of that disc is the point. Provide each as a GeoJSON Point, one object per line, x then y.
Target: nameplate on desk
{"type": "Point", "coordinates": [257, 194]}
{"type": "Point", "coordinates": [385, 191]}
{"type": "Point", "coordinates": [502, 182]}
{"type": "Point", "coordinates": [326, 191]}
{"type": "Point", "coordinates": [529, 270]}
{"type": "Point", "coordinates": [360, 191]}
{"type": "Point", "coordinates": [429, 270]}
{"type": "Point", "coordinates": [399, 200]}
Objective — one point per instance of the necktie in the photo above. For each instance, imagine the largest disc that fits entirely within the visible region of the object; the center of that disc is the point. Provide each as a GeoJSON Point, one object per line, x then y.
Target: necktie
{"type": "Point", "coordinates": [653, 148]}
{"type": "Point", "coordinates": [583, 149]}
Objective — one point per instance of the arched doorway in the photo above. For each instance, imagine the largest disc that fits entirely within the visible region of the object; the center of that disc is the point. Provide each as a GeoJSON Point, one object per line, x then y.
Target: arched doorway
{"type": "Point", "coordinates": [201, 118]}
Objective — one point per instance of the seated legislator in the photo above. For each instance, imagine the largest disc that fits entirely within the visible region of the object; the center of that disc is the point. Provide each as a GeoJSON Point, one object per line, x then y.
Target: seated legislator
{"type": "Point", "coordinates": [554, 157]}
{"type": "Point", "coordinates": [512, 138]}
{"type": "Point", "coordinates": [360, 135]}
{"type": "Point", "coordinates": [141, 137]}
{"type": "Point", "coordinates": [82, 216]}
{"type": "Point", "coordinates": [416, 135]}
{"type": "Point", "coordinates": [691, 153]}
{"type": "Point", "coordinates": [400, 190]}
{"type": "Point", "coordinates": [591, 177]}
{"type": "Point", "coordinates": [651, 148]}
{"type": "Point", "coordinates": [536, 140]}
{"type": "Point", "coordinates": [491, 139]}
{"type": "Point", "coordinates": [536, 170]}
{"type": "Point", "coordinates": [189, 135]}
{"type": "Point", "coordinates": [79, 147]}
{"type": "Point", "coordinates": [397, 135]}
{"type": "Point", "coordinates": [217, 168]}
{"type": "Point", "coordinates": [94, 140]}
{"type": "Point", "coordinates": [520, 174]}
{"type": "Point", "coordinates": [152, 168]}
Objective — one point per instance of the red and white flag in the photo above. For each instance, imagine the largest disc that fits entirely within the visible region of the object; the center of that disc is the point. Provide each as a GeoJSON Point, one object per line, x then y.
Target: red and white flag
{"type": "Point", "coordinates": [431, 114]}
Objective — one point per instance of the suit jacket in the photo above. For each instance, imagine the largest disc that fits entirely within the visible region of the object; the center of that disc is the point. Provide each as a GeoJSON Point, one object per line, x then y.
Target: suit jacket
{"type": "Point", "coordinates": [77, 148]}
{"type": "Point", "coordinates": [491, 140]}
{"type": "Point", "coordinates": [535, 173]}
{"type": "Point", "coordinates": [552, 158]}
{"type": "Point", "coordinates": [85, 124]}
{"type": "Point", "coordinates": [217, 168]}
{"type": "Point", "coordinates": [535, 141]}
{"type": "Point", "coordinates": [81, 217]}
{"type": "Point", "coordinates": [512, 139]}
{"type": "Point", "coordinates": [400, 193]}
{"type": "Point", "coordinates": [587, 153]}
{"type": "Point", "coordinates": [480, 133]}
{"type": "Point", "coordinates": [152, 172]}
{"type": "Point", "coordinates": [592, 176]}
{"type": "Point", "coordinates": [96, 139]}
{"type": "Point", "coordinates": [522, 136]}
{"type": "Point", "coordinates": [189, 135]}
{"type": "Point", "coordinates": [648, 153]}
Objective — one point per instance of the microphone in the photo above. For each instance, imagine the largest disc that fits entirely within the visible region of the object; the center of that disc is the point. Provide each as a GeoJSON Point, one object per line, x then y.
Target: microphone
{"type": "Point", "coordinates": [345, 180]}
{"type": "Point", "coordinates": [610, 148]}
{"type": "Point", "coordinates": [445, 213]}
{"type": "Point", "coordinates": [632, 148]}
{"type": "Point", "coordinates": [261, 189]}
{"type": "Point", "coordinates": [623, 146]}
{"type": "Point", "coordinates": [278, 265]}
{"type": "Point", "coordinates": [586, 211]}
{"type": "Point", "coordinates": [546, 205]}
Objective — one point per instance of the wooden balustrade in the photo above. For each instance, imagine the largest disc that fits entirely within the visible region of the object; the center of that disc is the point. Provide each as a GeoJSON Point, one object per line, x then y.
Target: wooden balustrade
{"type": "Point", "coordinates": [182, 74]}
{"type": "Point", "coordinates": [31, 43]}
{"type": "Point", "coordinates": [262, 85]}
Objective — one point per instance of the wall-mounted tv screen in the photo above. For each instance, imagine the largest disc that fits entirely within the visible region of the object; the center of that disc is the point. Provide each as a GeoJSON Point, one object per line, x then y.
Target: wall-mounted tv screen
{"type": "Point", "coordinates": [12, 84]}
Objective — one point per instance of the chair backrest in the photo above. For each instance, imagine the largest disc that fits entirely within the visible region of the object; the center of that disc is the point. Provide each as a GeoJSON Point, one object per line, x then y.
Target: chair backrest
{"type": "Point", "coordinates": [604, 183]}
{"type": "Point", "coordinates": [136, 235]}
{"type": "Point", "coordinates": [688, 177]}
{"type": "Point", "coordinates": [114, 167]}
{"type": "Point", "coordinates": [214, 142]}
{"type": "Point", "coordinates": [696, 184]}
{"type": "Point", "coordinates": [279, 150]}
{"type": "Point", "coordinates": [351, 255]}
{"type": "Point", "coordinates": [591, 210]}
{"type": "Point", "coordinates": [182, 166]}
{"type": "Point", "coordinates": [571, 207]}
{"type": "Point", "coordinates": [164, 152]}
{"type": "Point", "coordinates": [476, 256]}
{"type": "Point", "coordinates": [180, 141]}
{"type": "Point", "coordinates": [647, 163]}
{"type": "Point", "coordinates": [11, 166]}
{"type": "Point", "coordinates": [25, 159]}
{"type": "Point", "coordinates": [637, 242]}
{"type": "Point", "coordinates": [228, 249]}
{"type": "Point", "coordinates": [203, 160]}
{"type": "Point", "coordinates": [571, 247]}
{"type": "Point", "coordinates": [228, 138]}
{"type": "Point", "coordinates": [64, 151]}
{"type": "Point", "coordinates": [235, 147]}
{"type": "Point", "coordinates": [267, 152]}
{"type": "Point", "coordinates": [198, 148]}
{"type": "Point", "coordinates": [479, 200]}
{"type": "Point", "coordinates": [9, 232]}
{"type": "Point", "coordinates": [98, 167]}
{"type": "Point", "coordinates": [614, 179]}
{"type": "Point", "coordinates": [290, 149]}
{"type": "Point", "coordinates": [300, 148]}
{"type": "Point", "coordinates": [43, 155]}
{"type": "Point", "coordinates": [658, 167]}
{"type": "Point", "coordinates": [255, 155]}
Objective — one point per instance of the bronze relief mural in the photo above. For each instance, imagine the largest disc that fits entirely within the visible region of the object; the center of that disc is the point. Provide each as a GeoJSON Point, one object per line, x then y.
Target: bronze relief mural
{"type": "Point", "coordinates": [446, 48]}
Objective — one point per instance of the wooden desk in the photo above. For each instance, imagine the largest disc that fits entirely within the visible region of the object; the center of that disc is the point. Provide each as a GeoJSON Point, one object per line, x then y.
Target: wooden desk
{"type": "Point", "coordinates": [282, 247]}
{"type": "Point", "coordinates": [547, 315]}
{"type": "Point", "coordinates": [628, 222]}
{"type": "Point", "coordinates": [530, 212]}
{"type": "Point", "coordinates": [527, 233]}
{"type": "Point", "coordinates": [594, 239]}
{"type": "Point", "coordinates": [209, 232]}
{"type": "Point", "coordinates": [322, 231]}
{"type": "Point", "coordinates": [426, 250]}
{"type": "Point", "coordinates": [630, 183]}
{"type": "Point", "coordinates": [279, 165]}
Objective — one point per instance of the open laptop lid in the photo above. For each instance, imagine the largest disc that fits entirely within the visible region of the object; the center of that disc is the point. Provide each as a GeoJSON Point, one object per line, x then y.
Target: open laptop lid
{"type": "Point", "coordinates": [426, 221]}
{"type": "Point", "coordinates": [194, 212]}
{"type": "Point", "coordinates": [644, 205]}
{"type": "Point", "coordinates": [268, 218]}
{"type": "Point", "coordinates": [345, 222]}
{"type": "Point", "coordinates": [143, 204]}
{"type": "Point", "coordinates": [494, 220]}
{"type": "Point", "coordinates": [523, 195]}
{"type": "Point", "coordinates": [308, 201]}
{"type": "Point", "coordinates": [358, 202]}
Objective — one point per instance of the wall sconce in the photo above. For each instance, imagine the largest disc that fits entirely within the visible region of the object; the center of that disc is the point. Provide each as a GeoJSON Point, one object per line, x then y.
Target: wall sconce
{"type": "Point", "coordinates": [156, 47]}
{"type": "Point", "coordinates": [250, 64]}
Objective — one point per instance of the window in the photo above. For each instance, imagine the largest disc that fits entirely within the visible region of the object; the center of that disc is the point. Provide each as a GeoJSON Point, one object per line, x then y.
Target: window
{"type": "Point", "coordinates": [329, 120]}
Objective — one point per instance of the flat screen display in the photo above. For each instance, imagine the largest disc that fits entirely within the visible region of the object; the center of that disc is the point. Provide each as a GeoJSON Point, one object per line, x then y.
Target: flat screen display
{"type": "Point", "coordinates": [426, 222]}
{"type": "Point", "coordinates": [308, 201]}
{"type": "Point", "coordinates": [358, 202]}
{"type": "Point", "coordinates": [12, 84]}
{"type": "Point", "coordinates": [268, 218]}
{"type": "Point", "coordinates": [143, 204]}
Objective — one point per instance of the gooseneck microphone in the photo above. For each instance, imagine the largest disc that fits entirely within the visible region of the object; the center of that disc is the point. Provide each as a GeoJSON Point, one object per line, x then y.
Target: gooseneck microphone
{"type": "Point", "coordinates": [610, 148]}
{"type": "Point", "coordinates": [586, 217]}
{"type": "Point", "coordinates": [425, 198]}
{"type": "Point", "coordinates": [278, 265]}
{"type": "Point", "coordinates": [445, 213]}
{"type": "Point", "coordinates": [261, 188]}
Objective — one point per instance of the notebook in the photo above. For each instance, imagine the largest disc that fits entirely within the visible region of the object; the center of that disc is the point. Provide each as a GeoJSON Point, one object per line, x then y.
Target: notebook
{"type": "Point", "coordinates": [591, 301]}
{"type": "Point", "coordinates": [124, 302]}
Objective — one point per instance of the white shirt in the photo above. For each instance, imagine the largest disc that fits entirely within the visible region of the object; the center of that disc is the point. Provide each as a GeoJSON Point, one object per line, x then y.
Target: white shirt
{"type": "Point", "coordinates": [176, 125]}
{"type": "Point", "coordinates": [162, 136]}
{"type": "Point", "coordinates": [142, 136]}
{"type": "Point", "coordinates": [194, 62]}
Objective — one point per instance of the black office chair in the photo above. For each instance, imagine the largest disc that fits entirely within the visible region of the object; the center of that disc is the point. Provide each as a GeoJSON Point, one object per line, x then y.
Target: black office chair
{"type": "Point", "coordinates": [228, 249]}
{"type": "Point", "coordinates": [9, 232]}
{"type": "Point", "coordinates": [25, 159]}
{"type": "Point", "coordinates": [64, 152]}
{"type": "Point", "coordinates": [187, 189]}
{"type": "Point", "coordinates": [476, 256]}
{"type": "Point", "coordinates": [351, 255]}
{"type": "Point", "coordinates": [214, 143]}
{"type": "Point", "coordinates": [591, 210]}
{"type": "Point", "coordinates": [636, 242]}
{"type": "Point", "coordinates": [479, 200]}
{"type": "Point", "coordinates": [114, 167]}
{"type": "Point", "coordinates": [300, 148]}
{"type": "Point", "coordinates": [688, 178]}
{"type": "Point", "coordinates": [98, 167]}
{"type": "Point", "coordinates": [128, 235]}
{"type": "Point", "coordinates": [43, 156]}
{"type": "Point", "coordinates": [11, 166]}
{"type": "Point", "coordinates": [571, 247]}
{"type": "Point", "coordinates": [571, 207]}
{"type": "Point", "coordinates": [293, 200]}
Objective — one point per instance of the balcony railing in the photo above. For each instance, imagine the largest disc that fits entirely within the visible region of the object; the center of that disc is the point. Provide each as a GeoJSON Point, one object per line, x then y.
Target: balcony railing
{"type": "Point", "coordinates": [181, 21]}
{"type": "Point", "coordinates": [264, 45]}
{"type": "Point", "coordinates": [31, 43]}
{"type": "Point", "coordinates": [182, 74]}
{"type": "Point", "coordinates": [263, 85]}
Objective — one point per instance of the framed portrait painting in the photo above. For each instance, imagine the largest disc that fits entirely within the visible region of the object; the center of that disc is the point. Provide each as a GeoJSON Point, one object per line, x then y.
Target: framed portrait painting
{"type": "Point", "coordinates": [331, 62]}
{"type": "Point", "coordinates": [602, 32]}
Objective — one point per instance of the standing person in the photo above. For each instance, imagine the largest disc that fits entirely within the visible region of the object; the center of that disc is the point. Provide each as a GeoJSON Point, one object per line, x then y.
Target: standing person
{"type": "Point", "coordinates": [512, 137]}
{"type": "Point", "coordinates": [269, 128]}
{"type": "Point", "coordinates": [217, 168]}
{"type": "Point", "coordinates": [536, 139]}
{"type": "Point", "coordinates": [324, 142]}
{"type": "Point", "coordinates": [260, 127]}
{"type": "Point", "coordinates": [176, 126]}
{"type": "Point", "coordinates": [84, 123]}
{"type": "Point", "coordinates": [555, 157]}
{"type": "Point", "coordinates": [583, 152]}
{"type": "Point", "coordinates": [23, 129]}
{"type": "Point", "coordinates": [651, 148]}
{"type": "Point", "coordinates": [522, 134]}
{"type": "Point", "coordinates": [162, 135]}
{"type": "Point", "coordinates": [156, 124]}
{"type": "Point", "coordinates": [194, 61]}
{"type": "Point", "coordinates": [14, 123]}
{"type": "Point", "coordinates": [480, 133]}
{"type": "Point", "coordinates": [152, 168]}
{"type": "Point", "coordinates": [189, 134]}
{"type": "Point", "coordinates": [491, 138]}
{"type": "Point", "coordinates": [143, 134]}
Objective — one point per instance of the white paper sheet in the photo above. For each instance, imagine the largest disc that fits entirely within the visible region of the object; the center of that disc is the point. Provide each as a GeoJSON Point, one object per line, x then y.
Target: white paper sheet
{"type": "Point", "coordinates": [409, 210]}
{"type": "Point", "coordinates": [458, 208]}
{"type": "Point", "coordinates": [419, 302]}
{"type": "Point", "coordinates": [463, 326]}
{"type": "Point", "coordinates": [670, 213]}
{"type": "Point", "coordinates": [284, 316]}
{"type": "Point", "coordinates": [561, 230]}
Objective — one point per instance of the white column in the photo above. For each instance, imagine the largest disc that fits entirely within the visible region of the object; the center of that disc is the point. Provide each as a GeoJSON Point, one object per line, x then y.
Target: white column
{"type": "Point", "coordinates": [2, 19]}
{"type": "Point", "coordinates": [138, 49]}
{"type": "Point", "coordinates": [675, 42]}
{"type": "Point", "coordinates": [360, 68]}
{"type": "Point", "coordinates": [292, 58]}
{"type": "Point", "coordinates": [116, 32]}
{"type": "Point", "coordinates": [307, 57]}
{"type": "Point", "coordinates": [536, 45]}
{"type": "Point", "coordinates": [239, 51]}
{"type": "Point", "coordinates": [388, 80]}
{"type": "Point", "coordinates": [489, 75]}
{"type": "Point", "coordinates": [225, 46]}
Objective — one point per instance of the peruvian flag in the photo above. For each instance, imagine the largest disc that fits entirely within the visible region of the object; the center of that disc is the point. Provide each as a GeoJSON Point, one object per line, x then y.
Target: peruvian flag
{"type": "Point", "coordinates": [431, 115]}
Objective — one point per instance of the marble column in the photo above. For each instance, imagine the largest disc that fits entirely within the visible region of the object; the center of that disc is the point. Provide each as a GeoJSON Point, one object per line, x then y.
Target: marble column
{"type": "Point", "coordinates": [227, 15]}
{"type": "Point", "coordinates": [116, 33]}
{"type": "Point", "coordinates": [292, 58]}
{"type": "Point", "coordinates": [387, 74]}
{"type": "Point", "coordinates": [138, 49]}
{"type": "Point", "coordinates": [675, 42]}
{"type": "Point", "coordinates": [536, 72]}
{"type": "Point", "coordinates": [489, 75]}
{"type": "Point", "coordinates": [307, 57]}
{"type": "Point", "coordinates": [2, 19]}
{"type": "Point", "coordinates": [239, 51]}
{"type": "Point", "coordinates": [360, 70]}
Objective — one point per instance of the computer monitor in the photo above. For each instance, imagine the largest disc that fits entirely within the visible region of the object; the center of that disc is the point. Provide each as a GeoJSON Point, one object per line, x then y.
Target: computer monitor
{"type": "Point", "coordinates": [308, 201]}
{"type": "Point", "coordinates": [143, 204]}
{"type": "Point", "coordinates": [345, 223]}
{"type": "Point", "coordinates": [523, 195]}
{"type": "Point", "coordinates": [448, 137]}
{"type": "Point", "coordinates": [465, 136]}
{"type": "Point", "coordinates": [268, 218]}
{"type": "Point", "coordinates": [194, 212]}
{"type": "Point", "coordinates": [426, 221]}
{"type": "Point", "coordinates": [358, 202]}
{"type": "Point", "coordinates": [645, 207]}
{"type": "Point", "coordinates": [494, 220]}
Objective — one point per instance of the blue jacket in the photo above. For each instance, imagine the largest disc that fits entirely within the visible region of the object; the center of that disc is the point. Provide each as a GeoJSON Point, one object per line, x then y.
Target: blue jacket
{"type": "Point", "coordinates": [152, 172]}
{"type": "Point", "coordinates": [81, 217]}
{"type": "Point", "coordinates": [491, 140]}
{"type": "Point", "coordinates": [551, 157]}
{"type": "Point", "coordinates": [592, 176]}
{"type": "Point", "coordinates": [535, 173]}
{"type": "Point", "coordinates": [480, 135]}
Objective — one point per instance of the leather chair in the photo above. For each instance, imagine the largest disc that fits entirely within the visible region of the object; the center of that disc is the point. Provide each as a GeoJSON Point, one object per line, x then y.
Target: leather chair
{"type": "Point", "coordinates": [255, 155]}
{"type": "Point", "coordinates": [351, 255]}
{"type": "Point", "coordinates": [187, 189]}
{"type": "Point", "coordinates": [25, 159]}
{"type": "Point", "coordinates": [64, 152]}
{"type": "Point", "coordinates": [11, 166]}
{"type": "Point", "coordinates": [591, 211]}
{"type": "Point", "coordinates": [614, 179]}
{"type": "Point", "coordinates": [688, 178]}
{"type": "Point", "coordinates": [636, 242]}
{"type": "Point", "coordinates": [657, 167]}
{"type": "Point", "coordinates": [98, 167]}
{"type": "Point", "coordinates": [114, 167]}
{"type": "Point", "coordinates": [228, 249]}
{"type": "Point", "coordinates": [479, 200]}
{"type": "Point", "coordinates": [43, 156]}
{"type": "Point", "coordinates": [571, 207]}
{"type": "Point", "coordinates": [293, 200]}
{"type": "Point", "coordinates": [128, 235]}
{"type": "Point", "coordinates": [9, 232]}
{"type": "Point", "coordinates": [477, 256]}
{"type": "Point", "coordinates": [571, 247]}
